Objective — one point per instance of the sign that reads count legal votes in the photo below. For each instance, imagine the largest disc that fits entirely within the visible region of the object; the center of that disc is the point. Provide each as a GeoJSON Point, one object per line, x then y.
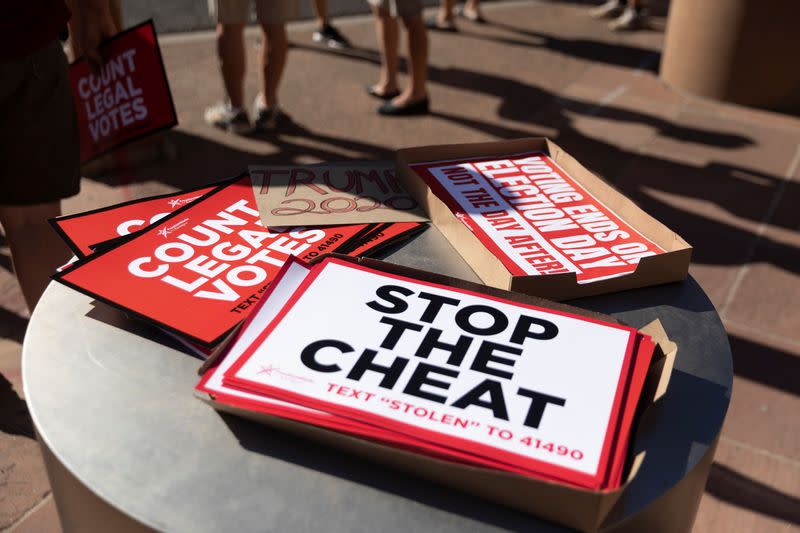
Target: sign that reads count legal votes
{"type": "Point", "coordinates": [82, 230]}
{"type": "Point", "coordinates": [536, 218]}
{"type": "Point", "coordinates": [200, 270]}
{"type": "Point", "coordinates": [128, 99]}
{"type": "Point", "coordinates": [536, 389]}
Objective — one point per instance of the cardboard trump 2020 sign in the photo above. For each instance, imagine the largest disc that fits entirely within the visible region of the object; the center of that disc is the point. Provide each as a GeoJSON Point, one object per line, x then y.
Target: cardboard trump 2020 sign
{"type": "Point", "coordinates": [128, 99]}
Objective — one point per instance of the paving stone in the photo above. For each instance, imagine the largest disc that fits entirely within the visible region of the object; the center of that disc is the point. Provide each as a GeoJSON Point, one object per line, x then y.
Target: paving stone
{"type": "Point", "coordinates": [750, 491]}
{"type": "Point", "coordinates": [43, 519]}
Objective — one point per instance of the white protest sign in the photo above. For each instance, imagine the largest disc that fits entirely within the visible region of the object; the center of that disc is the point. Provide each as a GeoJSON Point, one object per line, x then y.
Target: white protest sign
{"type": "Point", "coordinates": [536, 389]}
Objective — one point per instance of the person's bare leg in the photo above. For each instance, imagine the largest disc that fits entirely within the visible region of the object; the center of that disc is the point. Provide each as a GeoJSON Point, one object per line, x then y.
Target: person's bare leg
{"type": "Point", "coordinates": [272, 60]}
{"type": "Point", "coordinates": [444, 17]}
{"type": "Point", "coordinates": [36, 250]}
{"type": "Point", "coordinates": [472, 10]}
{"type": "Point", "coordinates": [230, 50]}
{"type": "Point", "coordinates": [418, 62]}
{"type": "Point", "coordinates": [387, 31]}
{"type": "Point", "coordinates": [321, 10]}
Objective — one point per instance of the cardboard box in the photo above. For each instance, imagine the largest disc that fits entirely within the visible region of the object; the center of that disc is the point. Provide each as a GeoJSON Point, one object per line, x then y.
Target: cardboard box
{"type": "Point", "coordinates": [578, 508]}
{"type": "Point", "coordinates": [672, 265]}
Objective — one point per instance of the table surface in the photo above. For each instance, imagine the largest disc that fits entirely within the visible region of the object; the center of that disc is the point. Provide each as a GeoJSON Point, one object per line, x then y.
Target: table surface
{"type": "Point", "coordinates": [113, 399]}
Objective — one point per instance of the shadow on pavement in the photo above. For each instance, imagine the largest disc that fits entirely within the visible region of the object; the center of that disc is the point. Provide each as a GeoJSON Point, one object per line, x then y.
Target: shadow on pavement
{"type": "Point", "coordinates": [732, 487]}
{"type": "Point", "coordinates": [12, 326]}
{"type": "Point", "coordinates": [14, 416]}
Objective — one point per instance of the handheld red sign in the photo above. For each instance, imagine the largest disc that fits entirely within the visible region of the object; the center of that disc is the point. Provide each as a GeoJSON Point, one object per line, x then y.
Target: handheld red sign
{"type": "Point", "coordinates": [128, 99]}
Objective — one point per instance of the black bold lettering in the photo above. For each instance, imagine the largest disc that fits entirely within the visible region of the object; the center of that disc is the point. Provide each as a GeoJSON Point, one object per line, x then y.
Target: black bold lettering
{"type": "Point", "coordinates": [432, 341]}
{"type": "Point", "coordinates": [386, 292]}
{"type": "Point", "coordinates": [309, 354]}
{"type": "Point", "coordinates": [421, 376]}
{"type": "Point", "coordinates": [366, 363]}
{"type": "Point", "coordinates": [435, 304]}
{"type": "Point", "coordinates": [486, 354]}
{"type": "Point", "coordinates": [496, 402]}
{"type": "Point", "coordinates": [398, 327]}
{"type": "Point", "coordinates": [499, 320]}
{"type": "Point", "coordinates": [523, 331]}
{"type": "Point", "coordinates": [538, 403]}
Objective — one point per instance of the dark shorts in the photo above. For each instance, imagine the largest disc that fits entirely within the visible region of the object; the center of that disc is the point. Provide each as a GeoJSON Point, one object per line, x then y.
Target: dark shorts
{"type": "Point", "coordinates": [39, 156]}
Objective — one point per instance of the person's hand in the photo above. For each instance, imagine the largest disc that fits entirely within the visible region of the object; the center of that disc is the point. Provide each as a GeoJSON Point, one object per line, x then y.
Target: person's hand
{"type": "Point", "coordinates": [93, 24]}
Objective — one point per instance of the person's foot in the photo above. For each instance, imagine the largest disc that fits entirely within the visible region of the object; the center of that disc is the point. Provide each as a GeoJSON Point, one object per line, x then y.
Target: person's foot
{"type": "Point", "coordinates": [435, 23]}
{"type": "Point", "coordinates": [330, 37]}
{"type": "Point", "coordinates": [382, 92]}
{"type": "Point", "coordinates": [471, 15]}
{"type": "Point", "coordinates": [267, 118]}
{"type": "Point", "coordinates": [611, 9]}
{"type": "Point", "coordinates": [229, 118]}
{"type": "Point", "coordinates": [403, 107]}
{"type": "Point", "coordinates": [630, 19]}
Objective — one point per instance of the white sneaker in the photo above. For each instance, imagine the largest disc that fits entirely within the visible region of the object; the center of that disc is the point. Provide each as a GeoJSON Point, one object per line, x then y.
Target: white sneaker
{"type": "Point", "coordinates": [611, 9]}
{"type": "Point", "coordinates": [266, 117]}
{"type": "Point", "coordinates": [229, 118]}
{"type": "Point", "coordinates": [629, 20]}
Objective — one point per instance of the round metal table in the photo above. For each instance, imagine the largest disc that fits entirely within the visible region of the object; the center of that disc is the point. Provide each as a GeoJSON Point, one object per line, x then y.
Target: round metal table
{"type": "Point", "coordinates": [128, 446]}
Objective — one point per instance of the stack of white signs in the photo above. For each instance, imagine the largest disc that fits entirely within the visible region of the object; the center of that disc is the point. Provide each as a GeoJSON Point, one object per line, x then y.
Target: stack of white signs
{"type": "Point", "coordinates": [439, 370]}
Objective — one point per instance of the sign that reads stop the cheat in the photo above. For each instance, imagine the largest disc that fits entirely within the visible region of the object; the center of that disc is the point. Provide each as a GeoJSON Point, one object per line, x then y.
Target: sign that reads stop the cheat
{"type": "Point", "coordinates": [129, 98]}
{"type": "Point", "coordinates": [536, 389]}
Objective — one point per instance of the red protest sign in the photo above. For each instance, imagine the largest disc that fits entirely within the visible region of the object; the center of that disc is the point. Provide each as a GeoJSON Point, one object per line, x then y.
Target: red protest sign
{"type": "Point", "coordinates": [128, 99]}
{"type": "Point", "coordinates": [82, 230]}
{"type": "Point", "coordinates": [536, 218]}
{"type": "Point", "coordinates": [199, 271]}
{"type": "Point", "coordinates": [386, 235]}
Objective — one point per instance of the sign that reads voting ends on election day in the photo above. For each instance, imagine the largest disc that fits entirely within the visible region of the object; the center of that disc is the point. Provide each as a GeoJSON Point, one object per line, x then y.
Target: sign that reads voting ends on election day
{"type": "Point", "coordinates": [337, 194]}
{"type": "Point", "coordinates": [537, 390]}
{"type": "Point", "coordinates": [199, 271]}
{"type": "Point", "coordinates": [536, 218]}
{"type": "Point", "coordinates": [129, 98]}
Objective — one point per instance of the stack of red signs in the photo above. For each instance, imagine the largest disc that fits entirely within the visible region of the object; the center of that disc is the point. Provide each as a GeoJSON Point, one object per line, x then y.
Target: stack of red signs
{"type": "Point", "coordinates": [195, 262]}
{"type": "Point", "coordinates": [439, 370]}
{"type": "Point", "coordinates": [535, 218]}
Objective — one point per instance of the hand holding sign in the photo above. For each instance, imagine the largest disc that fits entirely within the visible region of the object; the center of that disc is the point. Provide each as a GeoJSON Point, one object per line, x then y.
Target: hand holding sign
{"type": "Point", "coordinates": [126, 98]}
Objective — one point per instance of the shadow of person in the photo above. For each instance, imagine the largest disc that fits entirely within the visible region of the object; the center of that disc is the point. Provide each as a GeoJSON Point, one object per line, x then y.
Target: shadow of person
{"type": "Point", "coordinates": [12, 325]}
{"type": "Point", "coordinates": [591, 50]}
{"type": "Point", "coordinates": [732, 487]}
{"type": "Point", "coordinates": [14, 416]}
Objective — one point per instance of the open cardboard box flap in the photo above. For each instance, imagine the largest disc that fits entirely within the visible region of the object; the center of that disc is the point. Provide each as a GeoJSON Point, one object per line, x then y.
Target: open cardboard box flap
{"type": "Point", "coordinates": [672, 265]}
{"type": "Point", "coordinates": [582, 509]}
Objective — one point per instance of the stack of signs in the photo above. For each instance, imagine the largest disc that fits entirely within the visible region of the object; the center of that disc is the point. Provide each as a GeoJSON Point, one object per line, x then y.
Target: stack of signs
{"type": "Point", "coordinates": [128, 99]}
{"type": "Point", "coordinates": [194, 263]}
{"type": "Point", "coordinates": [439, 370]}
{"type": "Point", "coordinates": [535, 218]}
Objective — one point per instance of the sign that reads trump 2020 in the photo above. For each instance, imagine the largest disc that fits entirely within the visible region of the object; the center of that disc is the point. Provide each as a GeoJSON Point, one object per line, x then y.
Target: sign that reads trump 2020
{"type": "Point", "coordinates": [129, 98]}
